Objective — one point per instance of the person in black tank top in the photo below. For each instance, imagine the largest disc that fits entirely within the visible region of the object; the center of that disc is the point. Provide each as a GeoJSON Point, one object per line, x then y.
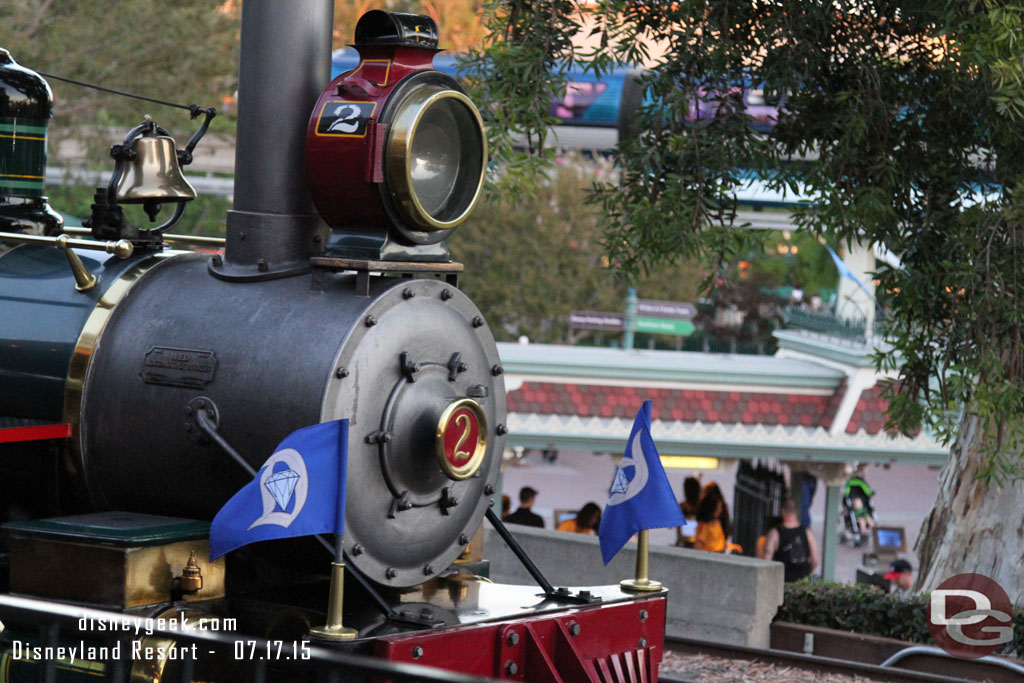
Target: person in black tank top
{"type": "Point", "coordinates": [792, 545]}
{"type": "Point", "coordinates": [793, 553]}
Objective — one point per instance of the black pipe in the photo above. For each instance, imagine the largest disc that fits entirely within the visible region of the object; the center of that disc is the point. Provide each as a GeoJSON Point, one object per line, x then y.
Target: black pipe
{"type": "Point", "coordinates": [517, 549]}
{"type": "Point", "coordinates": [285, 64]}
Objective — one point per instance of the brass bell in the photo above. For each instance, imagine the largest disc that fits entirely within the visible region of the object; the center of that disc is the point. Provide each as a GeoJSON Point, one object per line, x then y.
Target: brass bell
{"type": "Point", "coordinates": [152, 173]}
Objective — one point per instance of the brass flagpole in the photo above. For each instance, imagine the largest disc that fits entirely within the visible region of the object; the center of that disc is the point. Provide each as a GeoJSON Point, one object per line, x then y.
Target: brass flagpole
{"type": "Point", "coordinates": [640, 583]}
{"type": "Point", "coordinates": [334, 629]}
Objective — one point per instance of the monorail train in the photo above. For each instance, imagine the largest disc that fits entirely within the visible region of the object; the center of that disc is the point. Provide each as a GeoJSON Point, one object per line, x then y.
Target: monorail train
{"type": "Point", "coordinates": [595, 111]}
{"type": "Point", "coordinates": [141, 386]}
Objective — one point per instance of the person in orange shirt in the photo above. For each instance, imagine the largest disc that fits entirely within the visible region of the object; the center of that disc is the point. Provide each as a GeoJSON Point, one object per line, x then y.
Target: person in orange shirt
{"type": "Point", "coordinates": [713, 524]}
{"type": "Point", "coordinates": [586, 521]}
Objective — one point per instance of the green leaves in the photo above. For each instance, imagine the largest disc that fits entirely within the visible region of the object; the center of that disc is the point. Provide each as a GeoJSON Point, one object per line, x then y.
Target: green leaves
{"type": "Point", "coordinates": [515, 79]}
{"type": "Point", "coordinates": [532, 259]}
{"type": "Point", "coordinates": [901, 119]}
{"type": "Point", "coordinates": [185, 53]}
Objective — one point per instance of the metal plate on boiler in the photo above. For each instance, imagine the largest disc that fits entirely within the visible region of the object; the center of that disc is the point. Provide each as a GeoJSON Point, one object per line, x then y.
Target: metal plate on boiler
{"type": "Point", "coordinates": [190, 368]}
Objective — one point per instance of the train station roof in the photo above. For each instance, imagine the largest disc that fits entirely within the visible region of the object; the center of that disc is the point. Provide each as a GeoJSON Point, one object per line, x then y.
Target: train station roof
{"type": "Point", "coordinates": [815, 401]}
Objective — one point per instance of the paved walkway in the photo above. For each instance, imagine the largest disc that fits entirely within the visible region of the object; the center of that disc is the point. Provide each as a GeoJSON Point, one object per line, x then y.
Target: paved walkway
{"type": "Point", "coordinates": [904, 495]}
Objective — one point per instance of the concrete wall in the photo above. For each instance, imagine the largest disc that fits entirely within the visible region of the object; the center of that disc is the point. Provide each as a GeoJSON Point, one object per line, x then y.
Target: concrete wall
{"type": "Point", "coordinates": [724, 598]}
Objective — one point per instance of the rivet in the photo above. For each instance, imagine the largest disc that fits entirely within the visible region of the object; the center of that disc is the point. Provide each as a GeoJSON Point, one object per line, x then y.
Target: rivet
{"type": "Point", "coordinates": [643, 615]}
{"type": "Point", "coordinates": [188, 410]}
{"type": "Point", "coordinates": [357, 549]}
{"type": "Point", "coordinates": [497, 370]}
{"type": "Point", "coordinates": [574, 628]}
{"type": "Point", "coordinates": [218, 260]}
{"type": "Point", "coordinates": [510, 668]}
{"type": "Point", "coordinates": [462, 367]}
{"type": "Point", "coordinates": [370, 321]}
{"type": "Point", "coordinates": [446, 294]}
{"type": "Point", "coordinates": [341, 373]}
{"type": "Point", "coordinates": [262, 266]}
{"type": "Point", "coordinates": [428, 569]}
{"type": "Point", "coordinates": [513, 638]}
{"type": "Point", "coordinates": [417, 652]}
{"type": "Point", "coordinates": [501, 430]}
{"type": "Point", "coordinates": [391, 572]}
{"type": "Point", "coordinates": [478, 321]}
{"type": "Point", "coordinates": [210, 414]}
{"type": "Point", "coordinates": [463, 539]}
{"type": "Point", "coordinates": [489, 489]}
{"type": "Point", "coordinates": [201, 403]}
{"type": "Point", "coordinates": [643, 642]}
{"type": "Point", "coordinates": [188, 426]}
{"type": "Point", "coordinates": [407, 293]}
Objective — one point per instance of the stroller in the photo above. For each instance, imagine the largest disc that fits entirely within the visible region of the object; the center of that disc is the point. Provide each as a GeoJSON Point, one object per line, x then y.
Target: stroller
{"type": "Point", "coordinates": [858, 514]}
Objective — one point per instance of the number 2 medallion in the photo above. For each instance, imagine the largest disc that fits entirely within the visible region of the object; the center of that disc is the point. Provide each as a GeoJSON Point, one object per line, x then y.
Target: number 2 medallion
{"type": "Point", "coordinates": [461, 438]}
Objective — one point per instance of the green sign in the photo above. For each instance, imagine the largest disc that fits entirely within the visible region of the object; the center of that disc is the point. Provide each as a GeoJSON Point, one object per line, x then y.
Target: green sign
{"type": "Point", "coordinates": [682, 328]}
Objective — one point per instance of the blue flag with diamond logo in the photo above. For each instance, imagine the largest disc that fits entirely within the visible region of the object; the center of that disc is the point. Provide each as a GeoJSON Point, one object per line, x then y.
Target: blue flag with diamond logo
{"type": "Point", "coordinates": [299, 491]}
{"type": "Point", "coordinates": [640, 495]}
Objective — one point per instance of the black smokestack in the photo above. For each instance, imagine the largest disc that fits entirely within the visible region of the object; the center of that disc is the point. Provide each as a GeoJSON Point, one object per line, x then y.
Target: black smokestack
{"type": "Point", "coordinates": [285, 64]}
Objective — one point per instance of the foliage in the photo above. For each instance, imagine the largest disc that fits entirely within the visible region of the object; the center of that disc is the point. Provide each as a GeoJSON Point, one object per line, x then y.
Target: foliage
{"type": "Point", "coordinates": [184, 52]}
{"type": "Point", "coordinates": [530, 263]}
{"type": "Point", "coordinates": [805, 263]}
{"type": "Point", "coordinates": [529, 49]}
{"type": "Point", "coordinates": [902, 119]}
{"type": "Point", "coordinates": [203, 216]}
{"type": "Point", "coordinates": [864, 609]}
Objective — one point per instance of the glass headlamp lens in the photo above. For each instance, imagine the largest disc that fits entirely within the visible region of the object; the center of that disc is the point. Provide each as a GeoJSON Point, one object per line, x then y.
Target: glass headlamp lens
{"type": "Point", "coordinates": [436, 158]}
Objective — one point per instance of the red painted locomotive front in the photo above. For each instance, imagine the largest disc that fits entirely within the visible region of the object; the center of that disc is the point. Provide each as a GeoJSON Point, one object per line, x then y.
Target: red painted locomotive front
{"type": "Point", "coordinates": [345, 143]}
{"type": "Point", "coordinates": [620, 642]}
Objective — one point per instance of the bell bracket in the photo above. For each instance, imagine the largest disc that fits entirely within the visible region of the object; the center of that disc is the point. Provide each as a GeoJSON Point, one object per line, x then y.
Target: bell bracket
{"type": "Point", "coordinates": [108, 220]}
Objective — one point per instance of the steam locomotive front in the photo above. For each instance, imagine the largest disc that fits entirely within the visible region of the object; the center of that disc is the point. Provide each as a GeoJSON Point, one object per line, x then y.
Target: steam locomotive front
{"type": "Point", "coordinates": [303, 320]}
{"type": "Point", "coordinates": [148, 385]}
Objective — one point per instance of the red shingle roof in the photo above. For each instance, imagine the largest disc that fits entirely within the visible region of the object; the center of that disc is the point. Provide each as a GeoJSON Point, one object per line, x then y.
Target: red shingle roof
{"type": "Point", "coordinates": [693, 405]}
{"type": "Point", "coordinates": [869, 414]}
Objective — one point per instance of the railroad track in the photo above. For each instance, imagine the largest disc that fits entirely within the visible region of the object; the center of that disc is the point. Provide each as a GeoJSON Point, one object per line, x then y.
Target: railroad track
{"type": "Point", "coordinates": [689, 660]}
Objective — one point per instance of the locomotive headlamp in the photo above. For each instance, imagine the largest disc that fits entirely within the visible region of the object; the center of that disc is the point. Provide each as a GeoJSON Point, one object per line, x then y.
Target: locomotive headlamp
{"type": "Point", "coordinates": [395, 151]}
{"type": "Point", "coordinates": [435, 158]}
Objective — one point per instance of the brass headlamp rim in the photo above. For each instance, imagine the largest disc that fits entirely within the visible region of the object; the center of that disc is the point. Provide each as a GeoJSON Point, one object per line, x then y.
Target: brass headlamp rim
{"type": "Point", "coordinates": [398, 155]}
{"type": "Point", "coordinates": [467, 470]}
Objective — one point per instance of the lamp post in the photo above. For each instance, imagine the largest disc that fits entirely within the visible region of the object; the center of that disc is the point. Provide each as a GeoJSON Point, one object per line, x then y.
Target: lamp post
{"type": "Point", "coordinates": [630, 322]}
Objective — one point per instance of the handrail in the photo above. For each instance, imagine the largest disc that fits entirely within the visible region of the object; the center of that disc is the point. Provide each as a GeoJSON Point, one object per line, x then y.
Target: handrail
{"type": "Point", "coordinates": [120, 248]}
{"type": "Point", "coordinates": [186, 239]}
